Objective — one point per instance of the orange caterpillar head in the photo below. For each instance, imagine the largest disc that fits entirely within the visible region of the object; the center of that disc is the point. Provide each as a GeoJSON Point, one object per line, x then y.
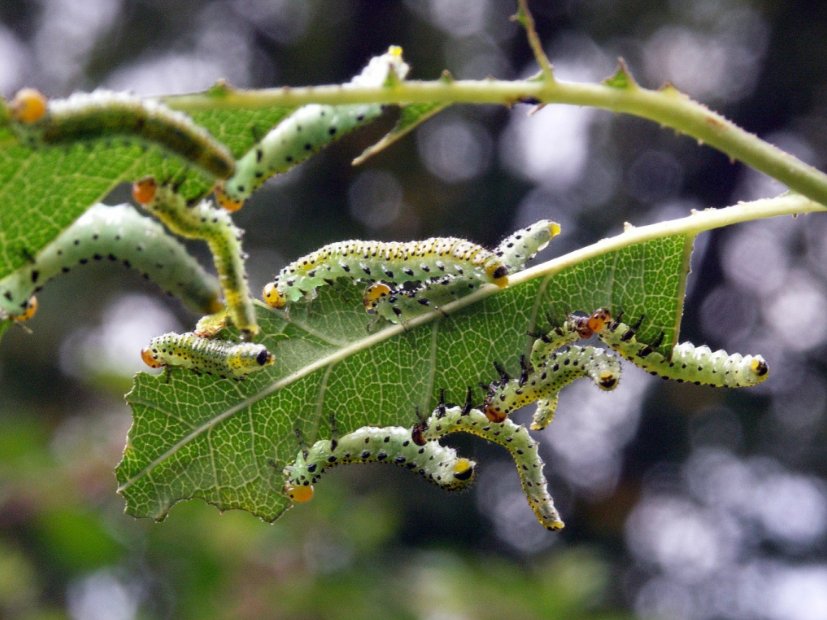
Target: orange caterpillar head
{"type": "Point", "coordinates": [300, 494]}
{"type": "Point", "coordinates": [493, 413]}
{"type": "Point", "coordinates": [144, 191]}
{"type": "Point", "coordinates": [28, 312]}
{"type": "Point", "coordinates": [373, 294]}
{"type": "Point", "coordinates": [149, 358]}
{"type": "Point", "coordinates": [28, 106]}
{"type": "Point", "coordinates": [230, 204]}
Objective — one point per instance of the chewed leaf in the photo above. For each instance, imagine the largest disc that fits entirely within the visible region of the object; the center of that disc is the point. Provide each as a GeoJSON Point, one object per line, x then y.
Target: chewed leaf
{"type": "Point", "coordinates": [227, 442]}
{"type": "Point", "coordinates": [410, 117]}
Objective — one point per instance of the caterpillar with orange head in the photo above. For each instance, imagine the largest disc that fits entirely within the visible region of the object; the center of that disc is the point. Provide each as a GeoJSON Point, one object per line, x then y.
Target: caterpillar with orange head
{"type": "Point", "coordinates": [103, 115]}
{"type": "Point", "coordinates": [216, 357]}
{"type": "Point", "coordinates": [215, 226]}
{"type": "Point", "coordinates": [391, 444]}
{"type": "Point", "coordinates": [398, 303]}
{"type": "Point", "coordinates": [687, 363]}
{"type": "Point", "coordinates": [396, 261]}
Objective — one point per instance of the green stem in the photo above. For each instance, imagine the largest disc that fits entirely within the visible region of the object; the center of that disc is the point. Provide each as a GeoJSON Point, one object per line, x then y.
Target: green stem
{"type": "Point", "coordinates": [691, 225]}
{"type": "Point", "coordinates": [666, 106]}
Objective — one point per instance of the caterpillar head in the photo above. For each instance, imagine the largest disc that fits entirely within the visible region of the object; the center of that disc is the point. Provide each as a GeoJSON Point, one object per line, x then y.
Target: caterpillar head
{"type": "Point", "coordinates": [224, 200]}
{"type": "Point", "coordinates": [607, 380]}
{"type": "Point", "coordinates": [373, 294]}
{"type": "Point", "coordinates": [145, 190]}
{"type": "Point", "coordinates": [28, 106]}
{"type": "Point", "coordinates": [28, 312]}
{"type": "Point", "coordinates": [150, 358]}
{"type": "Point", "coordinates": [250, 355]}
{"type": "Point", "coordinates": [299, 494]}
{"type": "Point", "coordinates": [273, 297]}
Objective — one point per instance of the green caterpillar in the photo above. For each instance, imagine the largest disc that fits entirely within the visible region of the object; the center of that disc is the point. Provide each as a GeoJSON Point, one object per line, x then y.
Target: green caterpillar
{"type": "Point", "coordinates": [690, 364]}
{"type": "Point", "coordinates": [543, 382]}
{"type": "Point", "coordinates": [306, 131]}
{"type": "Point", "coordinates": [513, 437]}
{"type": "Point", "coordinates": [396, 261]}
{"type": "Point", "coordinates": [117, 234]}
{"type": "Point", "coordinates": [399, 303]}
{"type": "Point", "coordinates": [370, 444]}
{"type": "Point", "coordinates": [217, 357]}
{"type": "Point", "coordinates": [102, 115]}
{"type": "Point", "coordinates": [213, 225]}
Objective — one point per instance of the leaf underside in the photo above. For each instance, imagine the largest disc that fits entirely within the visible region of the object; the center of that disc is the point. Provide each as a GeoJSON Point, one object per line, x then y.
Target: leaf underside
{"type": "Point", "coordinates": [226, 441]}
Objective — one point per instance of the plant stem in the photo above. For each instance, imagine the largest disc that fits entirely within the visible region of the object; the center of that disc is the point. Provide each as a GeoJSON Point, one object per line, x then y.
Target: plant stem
{"type": "Point", "coordinates": [697, 222]}
{"type": "Point", "coordinates": [667, 106]}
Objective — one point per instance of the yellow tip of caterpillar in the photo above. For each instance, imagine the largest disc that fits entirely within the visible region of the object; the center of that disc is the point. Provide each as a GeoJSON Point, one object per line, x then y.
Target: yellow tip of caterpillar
{"type": "Point", "coordinates": [272, 296]}
{"type": "Point", "coordinates": [29, 312]}
{"type": "Point", "coordinates": [553, 229]}
{"type": "Point", "coordinates": [464, 469]}
{"type": "Point", "coordinates": [759, 367]}
{"type": "Point", "coordinates": [28, 106]}
{"type": "Point", "coordinates": [300, 494]}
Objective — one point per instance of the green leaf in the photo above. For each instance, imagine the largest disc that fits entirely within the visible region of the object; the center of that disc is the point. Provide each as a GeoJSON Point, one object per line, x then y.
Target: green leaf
{"type": "Point", "coordinates": [226, 442]}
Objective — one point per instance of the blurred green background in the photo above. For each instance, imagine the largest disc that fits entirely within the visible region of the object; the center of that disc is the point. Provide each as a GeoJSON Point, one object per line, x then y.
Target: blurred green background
{"type": "Point", "coordinates": [681, 502]}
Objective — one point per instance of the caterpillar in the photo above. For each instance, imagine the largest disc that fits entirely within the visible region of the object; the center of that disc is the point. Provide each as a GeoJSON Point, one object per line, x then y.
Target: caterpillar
{"type": "Point", "coordinates": [213, 225]}
{"type": "Point", "coordinates": [370, 444]}
{"type": "Point", "coordinates": [395, 261]}
{"type": "Point", "coordinates": [688, 363]}
{"type": "Point", "coordinates": [102, 115]}
{"type": "Point", "coordinates": [217, 357]}
{"type": "Point", "coordinates": [515, 438]}
{"type": "Point", "coordinates": [542, 383]}
{"type": "Point", "coordinates": [306, 131]}
{"type": "Point", "coordinates": [400, 303]}
{"type": "Point", "coordinates": [117, 234]}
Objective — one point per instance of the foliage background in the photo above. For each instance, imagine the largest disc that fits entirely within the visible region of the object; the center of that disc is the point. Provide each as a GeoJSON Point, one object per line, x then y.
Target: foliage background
{"type": "Point", "coordinates": [681, 502]}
